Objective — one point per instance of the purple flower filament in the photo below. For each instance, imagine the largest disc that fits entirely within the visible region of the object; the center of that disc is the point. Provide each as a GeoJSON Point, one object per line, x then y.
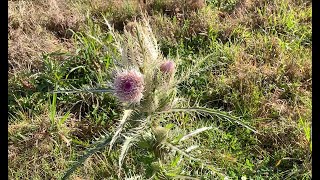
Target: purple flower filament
{"type": "Point", "coordinates": [129, 86]}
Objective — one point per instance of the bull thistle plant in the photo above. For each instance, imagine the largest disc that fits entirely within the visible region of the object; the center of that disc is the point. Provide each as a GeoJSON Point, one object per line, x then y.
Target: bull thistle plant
{"type": "Point", "coordinates": [145, 83]}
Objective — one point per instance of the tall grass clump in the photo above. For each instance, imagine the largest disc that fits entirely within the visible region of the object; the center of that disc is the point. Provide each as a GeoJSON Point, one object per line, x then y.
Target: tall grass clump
{"type": "Point", "coordinates": [145, 84]}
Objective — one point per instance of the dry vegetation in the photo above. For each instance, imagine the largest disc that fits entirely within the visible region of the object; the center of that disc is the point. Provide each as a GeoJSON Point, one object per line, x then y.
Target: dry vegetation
{"type": "Point", "coordinates": [37, 27]}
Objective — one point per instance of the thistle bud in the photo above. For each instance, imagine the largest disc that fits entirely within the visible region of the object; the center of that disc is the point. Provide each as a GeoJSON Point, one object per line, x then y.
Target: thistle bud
{"type": "Point", "coordinates": [160, 133]}
{"type": "Point", "coordinates": [167, 67]}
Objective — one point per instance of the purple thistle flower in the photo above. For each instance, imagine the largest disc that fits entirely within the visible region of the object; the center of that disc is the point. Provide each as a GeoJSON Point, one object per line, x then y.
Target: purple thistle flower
{"type": "Point", "coordinates": [129, 86]}
{"type": "Point", "coordinates": [167, 67]}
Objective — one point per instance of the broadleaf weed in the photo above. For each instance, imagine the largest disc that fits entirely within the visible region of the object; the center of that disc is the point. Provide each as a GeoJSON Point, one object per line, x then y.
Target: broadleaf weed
{"type": "Point", "coordinates": [145, 83]}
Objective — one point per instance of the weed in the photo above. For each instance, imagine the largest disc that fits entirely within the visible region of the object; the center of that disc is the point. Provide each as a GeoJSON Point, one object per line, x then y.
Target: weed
{"type": "Point", "coordinates": [253, 58]}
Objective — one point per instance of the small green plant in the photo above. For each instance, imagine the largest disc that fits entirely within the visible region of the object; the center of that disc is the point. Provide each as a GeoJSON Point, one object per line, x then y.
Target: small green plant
{"type": "Point", "coordinates": [145, 84]}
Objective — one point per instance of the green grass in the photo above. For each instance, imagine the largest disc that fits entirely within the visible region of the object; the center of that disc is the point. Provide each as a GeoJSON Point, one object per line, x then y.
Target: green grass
{"type": "Point", "coordinates": [260, 70]}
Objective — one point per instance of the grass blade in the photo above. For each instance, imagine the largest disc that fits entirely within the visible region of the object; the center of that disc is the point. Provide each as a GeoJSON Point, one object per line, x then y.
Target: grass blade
{"type": "Point", "coordinates": [63, 119]}
{"type": "Point", "coordinates": [53, 109]}
{"type": "Point", "coordinates": [194, 70]}
{"type": "Point", "coordinates": [73, 69]}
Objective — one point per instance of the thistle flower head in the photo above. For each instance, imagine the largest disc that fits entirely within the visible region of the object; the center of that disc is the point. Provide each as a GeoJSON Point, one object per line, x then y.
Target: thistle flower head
{"type": "Point", "coordinates": [167, 67]}
{"type": "Point", "coordinates": [129, 86]}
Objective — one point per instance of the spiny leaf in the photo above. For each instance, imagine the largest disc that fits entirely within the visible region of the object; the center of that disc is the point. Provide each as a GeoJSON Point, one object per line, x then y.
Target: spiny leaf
{"type": "Point", "coordinates": [97, 146]}
{"type": "Point", "coordinates": [191, 148]}
{"type": "Point", "coordinates": [185, 177]}
{"type": "Point", "coordinates": [181, 151]}
{"type": "Point", "coordinates": [126, 114]}
{"type": "Point", "coordinates": [125, 147]}
{"type": "Point", "coordinates": [132, 137]}
{"type": "Point", "coordinates": [194, 133]}
{"type": "Point", "coordinates": [83, 90]}
{"type": "Point", "coordinates": [201, 162]}
{"type": "Point", "coordinates": [217, 113]}
{"type": "Point", "coordinates": [136, 177]}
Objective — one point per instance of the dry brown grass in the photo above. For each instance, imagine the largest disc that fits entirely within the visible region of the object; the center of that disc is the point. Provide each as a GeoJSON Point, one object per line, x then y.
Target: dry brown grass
{"type": "Point", "coordinates": [164, 28]}
{"type": "Point", "coordinates": [33, 141]}
{"type": "Point", "coordinates": [201, 21]}
{"type": "Point", "coordinates": [262, 62]}
{"type": "Point", "coordinates": [282, 134]}
{"type": "Point", "coordinates": [185, 26]}
{"type": "Point", "coordinates": [119, 12]}
{"type": "Point", "coordinates": [37, 27]}
{"type": "Point", "coordinates": [175, 6]}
